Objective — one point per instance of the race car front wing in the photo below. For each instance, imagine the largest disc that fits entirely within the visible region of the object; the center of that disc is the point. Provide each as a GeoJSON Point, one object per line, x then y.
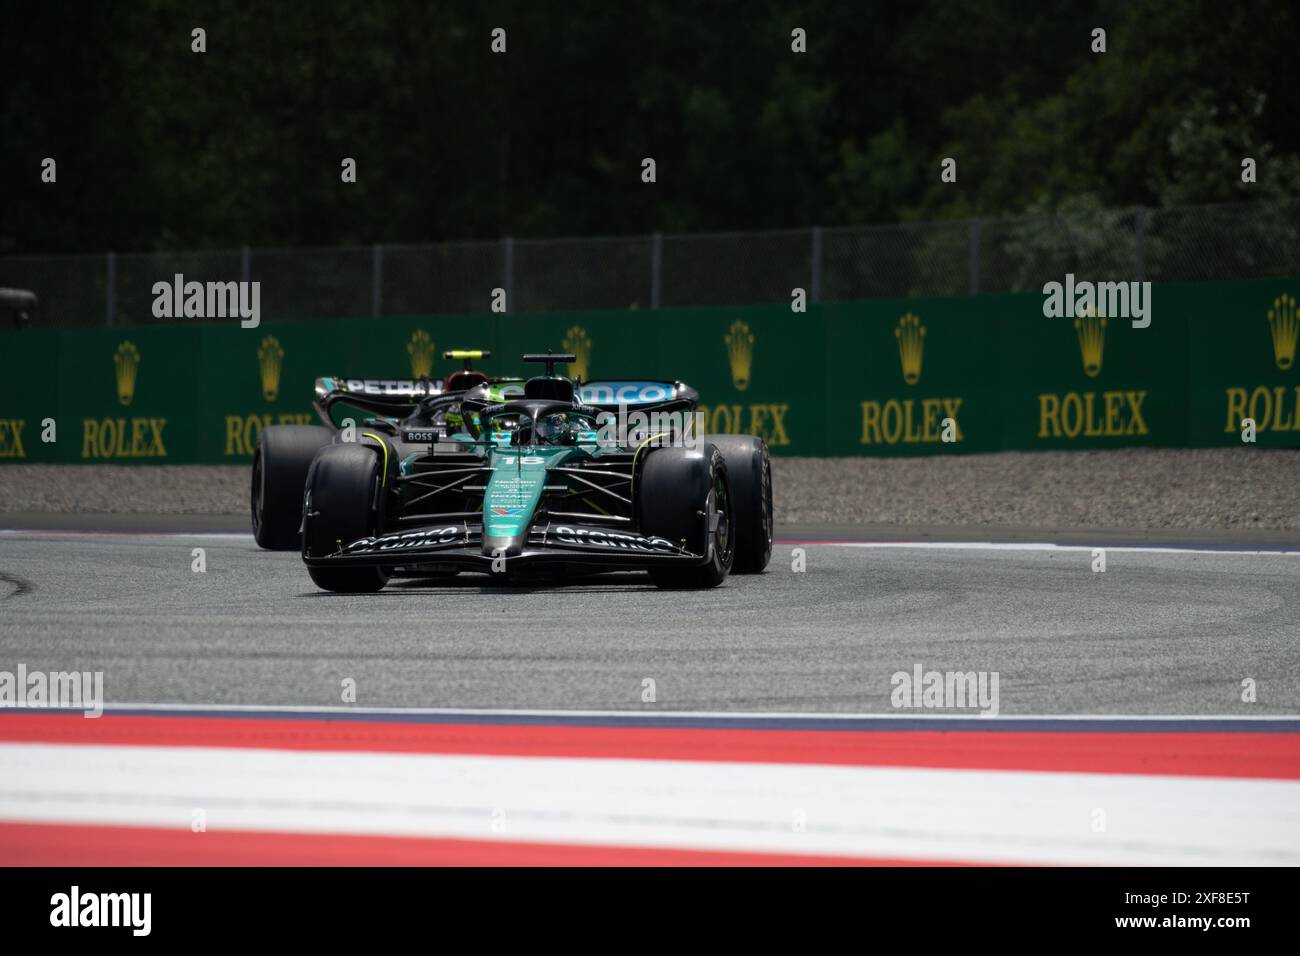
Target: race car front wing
{"type": "Point", "coordinates": [461, 544]}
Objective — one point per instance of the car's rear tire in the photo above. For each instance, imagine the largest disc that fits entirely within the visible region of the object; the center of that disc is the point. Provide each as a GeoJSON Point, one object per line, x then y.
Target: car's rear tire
{"type": "Point", "coordinates": [685, 498]}
{"type": "Point", "coordinates": [749, 469]}
{"type": "Point", "coordinates": [280, 462]}
{"type": "Point", "coordinates": [339, 508]}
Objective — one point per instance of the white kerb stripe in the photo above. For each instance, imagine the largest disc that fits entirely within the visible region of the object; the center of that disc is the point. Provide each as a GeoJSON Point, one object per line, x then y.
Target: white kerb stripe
{"type": "Point", "coordinates": [924, 814]}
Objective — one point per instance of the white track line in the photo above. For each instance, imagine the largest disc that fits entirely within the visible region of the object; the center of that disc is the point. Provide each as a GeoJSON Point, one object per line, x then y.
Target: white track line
{"type": "Point", "coordinates": [790, 542]}
{"type": "Point", "coordinates": [1038, 546]}
{"type": "Point", "coordinates": [925, 814]}
{"type": "Point", "coordinates": [294, 709]}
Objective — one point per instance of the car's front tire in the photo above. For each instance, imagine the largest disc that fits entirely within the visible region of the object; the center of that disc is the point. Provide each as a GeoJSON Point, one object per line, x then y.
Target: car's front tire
{"type": "Point", "coordinates": [281, 460]}
{"type": "Point", "coordinates": [339, 507]}
{"type": "Point", "coordinates": [685, 498]}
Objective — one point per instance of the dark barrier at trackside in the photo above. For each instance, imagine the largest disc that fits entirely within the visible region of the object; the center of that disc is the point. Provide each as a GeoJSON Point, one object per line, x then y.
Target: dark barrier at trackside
{"type": "Point", "coordinates": [883, 377]}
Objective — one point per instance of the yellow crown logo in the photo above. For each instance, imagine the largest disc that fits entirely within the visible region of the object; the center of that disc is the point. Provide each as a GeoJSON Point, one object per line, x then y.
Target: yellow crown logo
{"type": "Point", "coordinates": [1283, 324]}
{"type": "Point", "coordinates": [1092, 339]}
{"type": "Point", "coordinates": [911, 344]}
{"type": "Point", "coordinates": [270, 359]}
{"type": "Point", "coordinates": [126, 361]}
{"type": "Point", "coordinates": [421, 351]}
{"type": "Point", "coordinates": [740, 353]}
{"type": "Point", "coordinates": [578, 343]}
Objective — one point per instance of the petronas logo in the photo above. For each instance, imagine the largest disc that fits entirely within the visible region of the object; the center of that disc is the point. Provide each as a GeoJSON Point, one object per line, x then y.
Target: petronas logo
{"type": "Point", "coordinates": [911, 346]}
{"type": "Point", "coordinates": [578, 343]}
{"type": "Point", "coordinates": [270, 359]}
{"type": "Point", "coordinates": [1091, 328]}
{"type": "Point", "coordinates": [740, 354]}
{"type": "Point", "coordinates": [1283, 325]}
{"type": "Point", "coordinates": [421, 351]}
{"type": "Point", "coordinates": [126, 362]}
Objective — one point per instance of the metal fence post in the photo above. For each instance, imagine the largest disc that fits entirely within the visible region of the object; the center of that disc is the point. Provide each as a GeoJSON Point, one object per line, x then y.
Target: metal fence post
{"type": "Point", "coordinates": [110, 284]}
{"type": "Point", "coordinates": [974, 257]}
{"type": "Point", "coordinates": [376, 280]}
{"type": "Point", "coordinates": [508, 269]}
{"type": "Point", "coordinates": [816, 263]}
{"type": "Point", "coordinates": [245, 264]}
{"type": "Point", "coordinates": [1139, 240]}
{"type": "Point", "coordinates": [656, 268]}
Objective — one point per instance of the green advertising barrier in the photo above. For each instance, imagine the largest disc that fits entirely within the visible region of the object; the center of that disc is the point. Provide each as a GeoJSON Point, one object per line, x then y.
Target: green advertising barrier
{"type": "Point", "coordinates": [884, 377]}
{"type": "Point", "coordinates": [1242, 360]}
{"type": "Point", "coordinates": [129, 396]}
{"type": "Point", "coordinates": [1091, 381]}
{"type": "Point", "coordinates": [29, 367]}
{"type": "Point", "coordinates": [911, 377]}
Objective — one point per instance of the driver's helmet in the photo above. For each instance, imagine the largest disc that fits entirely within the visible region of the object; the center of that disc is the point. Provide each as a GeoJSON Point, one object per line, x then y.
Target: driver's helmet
{"type": "Point", "coordinates": [553, 430]}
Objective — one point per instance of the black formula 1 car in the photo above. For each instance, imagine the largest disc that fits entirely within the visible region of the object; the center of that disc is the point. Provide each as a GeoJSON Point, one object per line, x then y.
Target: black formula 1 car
{"type": "Point", "coordinates": [284, 453]}
{"type": "Point", "coordinates": [565, 478]}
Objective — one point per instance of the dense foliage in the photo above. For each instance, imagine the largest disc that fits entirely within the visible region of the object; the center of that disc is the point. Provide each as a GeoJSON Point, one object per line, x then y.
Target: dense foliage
{"type": "Point", "coordinates": [161, 147]}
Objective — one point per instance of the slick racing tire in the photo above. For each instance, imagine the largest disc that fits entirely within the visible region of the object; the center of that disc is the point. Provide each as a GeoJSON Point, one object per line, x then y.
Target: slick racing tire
{"type": "Point", "coordinates": [686, 498]}
{"type": "Point", "coordinates": [749, 469]}
{"type": "Point", "coordinates": [280, 463]}
{"type": "Point", "coordinates": [338, 509]}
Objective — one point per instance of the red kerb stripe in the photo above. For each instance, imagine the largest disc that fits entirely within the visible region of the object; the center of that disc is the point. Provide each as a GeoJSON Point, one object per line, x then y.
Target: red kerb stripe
{"type": "Point", "coordinates": [1258, 755]}
{"type": "Point", "coordinates": [40, 844]}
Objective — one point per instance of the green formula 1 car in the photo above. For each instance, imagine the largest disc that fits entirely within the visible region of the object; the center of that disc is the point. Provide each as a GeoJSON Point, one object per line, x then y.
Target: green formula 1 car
{"type": "Point", "coordinates": [561, 478]}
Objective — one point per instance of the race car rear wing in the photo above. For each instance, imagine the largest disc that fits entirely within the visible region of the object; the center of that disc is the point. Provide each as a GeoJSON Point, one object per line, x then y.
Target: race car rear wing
{"type": "Point", "coordinates": [609, 394]}
{"type": "Point", "coordinates": [393, 398]}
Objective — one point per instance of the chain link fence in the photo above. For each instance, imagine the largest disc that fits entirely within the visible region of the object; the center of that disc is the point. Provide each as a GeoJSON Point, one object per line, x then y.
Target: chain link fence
{"type": "Point", "coordinates": [955, 257]}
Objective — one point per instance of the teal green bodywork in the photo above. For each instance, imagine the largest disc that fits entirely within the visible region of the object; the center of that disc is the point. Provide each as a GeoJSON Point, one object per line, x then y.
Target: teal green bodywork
{"type": "Point", "coordinates": [519, 480]}
{"type": "Point", "coordinates": [516, 486]}
{"type": "Point", "coordinates": [518, 477]}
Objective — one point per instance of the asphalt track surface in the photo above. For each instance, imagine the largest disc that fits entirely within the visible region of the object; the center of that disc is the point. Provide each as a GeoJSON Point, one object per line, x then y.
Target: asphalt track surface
{"type": "Point", "coordinates": [1172, 627]}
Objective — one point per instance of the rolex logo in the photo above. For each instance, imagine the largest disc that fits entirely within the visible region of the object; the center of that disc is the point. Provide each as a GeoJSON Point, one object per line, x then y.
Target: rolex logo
{"type": "Point", "coordinates": [1283, 325]}
{"type": "Point", "coordinates": [911, 344]}
{"type": "Point", "coordinates": [1092, 339]}
{"type": "Point", "coordinates": [126, 361]}
{"type": "Point", "coordinates": [578, 343]}
{"type": "Point", "coordinates": [270, 358]}
{"type": "Point", "coordinates": [421, 351]}
{"type": "Point", "coordinates": [740, 353]}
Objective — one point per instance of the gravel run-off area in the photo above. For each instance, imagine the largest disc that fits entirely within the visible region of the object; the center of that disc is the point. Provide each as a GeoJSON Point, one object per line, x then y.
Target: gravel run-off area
{"type": "Point", "coordinates": [1128, 488]}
